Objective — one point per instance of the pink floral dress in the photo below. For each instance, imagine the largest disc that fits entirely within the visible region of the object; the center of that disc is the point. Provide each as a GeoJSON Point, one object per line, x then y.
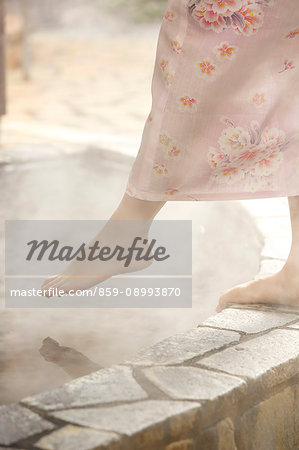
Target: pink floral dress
{"type": "Point", "coordinates": [224, 122]}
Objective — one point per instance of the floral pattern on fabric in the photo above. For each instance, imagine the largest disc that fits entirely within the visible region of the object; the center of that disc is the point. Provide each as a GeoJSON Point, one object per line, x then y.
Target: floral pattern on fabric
{"type": "Point", "coordinates": [253, 151]}
{"type": "Point", "coordinates": [167, 72]}
{"type": "Point", "coordinates": [257, 97]}
{"type": "Point", "coordinates": [292, 34]}
{"type": "Point", "coordinates": [225, 51]}
{"type": "Point", "coordinates": [288, 64]}
{"type": "Point", "coordinates": [206, 68]}
{"type": "Point", "coordinates": [187, 104]}
{"type": "Point", "coordinates": [243, 16]}
{"type": "Point", "coordinates": [176, 47]}
{"type": "Point", "coordinates": [170, 148]}
{"type": "Point", "coordinates": [171, 191]}
{"type": "Point", "coordinates": [160, 169]}
{"type": "Point", "coordinates": [169, 16]}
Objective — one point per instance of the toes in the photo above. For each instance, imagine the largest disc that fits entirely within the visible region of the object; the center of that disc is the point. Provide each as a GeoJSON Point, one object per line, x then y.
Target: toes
{"type": "Point", "coordinates": [233, 295]}
{"type": "Point", "coordinates": [55, 284]}
{"type": "Point", "coordinates": [47, 291]}
{"type": "Point", "coordinates": [221, 305]}
{"type": "Point", "coordinates": [49, 281]}
{"type": "Point", "coordinates": [50, 288]}
{"type": "Point", "coordinates": [219, 308]}
{"type": "Point", "coordinates": [61, 287]}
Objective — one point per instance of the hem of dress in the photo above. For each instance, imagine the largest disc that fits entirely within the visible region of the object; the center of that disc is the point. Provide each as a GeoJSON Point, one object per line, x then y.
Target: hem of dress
{"type": "Point", "coordinates": [152, 196]}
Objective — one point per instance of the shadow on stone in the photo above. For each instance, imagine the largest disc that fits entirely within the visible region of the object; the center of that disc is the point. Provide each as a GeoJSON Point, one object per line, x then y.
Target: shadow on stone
{"type": "Point", "coordinates": [73, 362]}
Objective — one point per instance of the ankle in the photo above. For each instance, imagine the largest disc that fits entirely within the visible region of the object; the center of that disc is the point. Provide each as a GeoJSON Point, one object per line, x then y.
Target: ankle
{"type": "Point", "coordinates": [290, 270]}
{"type": "Point", "coordinates": [133, 215]}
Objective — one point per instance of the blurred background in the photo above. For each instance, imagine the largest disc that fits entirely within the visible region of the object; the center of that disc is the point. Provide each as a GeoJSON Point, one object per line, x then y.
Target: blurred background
{"type": "Point", "coordinates": [55, 50]}
{"type": "Point", "coordinates": [78, 91]}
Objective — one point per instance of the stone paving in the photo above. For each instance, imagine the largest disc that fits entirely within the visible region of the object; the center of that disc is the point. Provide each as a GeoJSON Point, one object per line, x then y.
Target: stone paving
{"type": "Point", "coordinates": [219, 394]}
{"type": "Point", "coordinates": [17, 422]}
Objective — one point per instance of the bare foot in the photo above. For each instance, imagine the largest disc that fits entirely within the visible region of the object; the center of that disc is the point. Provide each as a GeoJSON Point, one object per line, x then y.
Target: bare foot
{"type": "Point", "coordinates": [279, 288]}
{"type": "Point", "coordinates": [81, 275]}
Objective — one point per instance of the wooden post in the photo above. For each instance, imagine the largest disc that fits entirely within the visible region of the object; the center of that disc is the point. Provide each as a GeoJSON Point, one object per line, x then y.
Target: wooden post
{"type": "Point", "coordinates": [2, 61]}
{"type": "Point", "coordinates": [26, 30]}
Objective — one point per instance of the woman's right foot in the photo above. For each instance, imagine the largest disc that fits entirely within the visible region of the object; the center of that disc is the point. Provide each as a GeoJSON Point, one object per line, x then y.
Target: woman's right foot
{"type": "Point", "coordinates": [280, 288]}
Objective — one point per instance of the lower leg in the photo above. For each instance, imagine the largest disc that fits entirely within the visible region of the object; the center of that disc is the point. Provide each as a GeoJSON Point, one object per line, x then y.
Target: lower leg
{"type": "Point", "coordinates": [134, 209]}
{"type": "Point", "coordinates": [139, 213]}
{"type": "Point", "coordinates": [292, 264]}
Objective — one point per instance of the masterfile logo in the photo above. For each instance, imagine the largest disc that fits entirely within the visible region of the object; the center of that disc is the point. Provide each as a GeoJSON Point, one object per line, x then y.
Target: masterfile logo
{"type": "Point", "coordinates": [106, 263]}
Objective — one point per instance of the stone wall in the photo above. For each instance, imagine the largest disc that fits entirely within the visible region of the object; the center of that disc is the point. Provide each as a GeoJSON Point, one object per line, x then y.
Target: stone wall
{"type": "Point", "coordinates": [231, 383]}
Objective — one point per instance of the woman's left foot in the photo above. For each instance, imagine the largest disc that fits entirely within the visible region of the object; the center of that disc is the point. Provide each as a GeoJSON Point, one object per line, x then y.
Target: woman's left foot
{"type": "Point", "coordinates": [279, 288]}
{"type": "Point", "coordinates": [114, 237]}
